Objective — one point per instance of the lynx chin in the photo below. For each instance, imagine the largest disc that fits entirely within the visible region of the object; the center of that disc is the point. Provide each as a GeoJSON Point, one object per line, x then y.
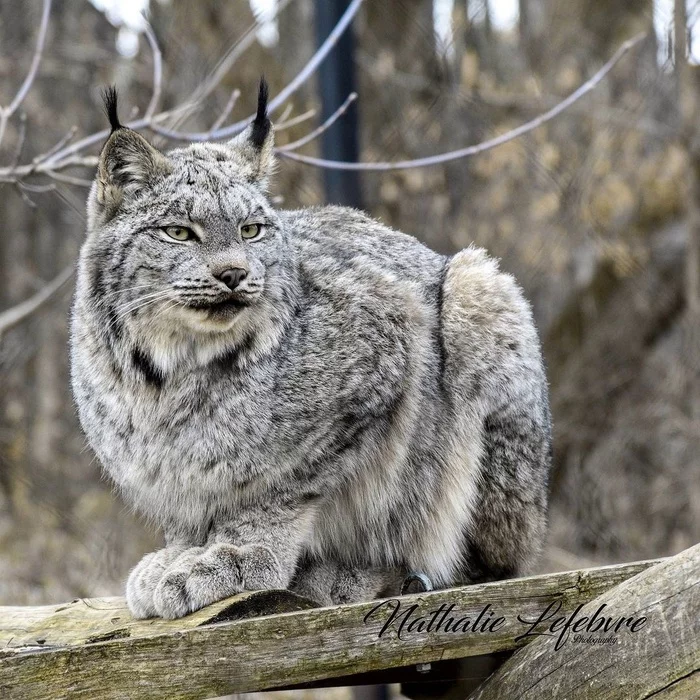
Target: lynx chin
{"type": "Point", "coordinates": [303, 399]}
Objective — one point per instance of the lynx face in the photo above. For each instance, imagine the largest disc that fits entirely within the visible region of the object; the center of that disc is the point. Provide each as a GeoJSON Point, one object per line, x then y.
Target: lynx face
{"type": "Point", "coordinates": [193, 249]}
{"type": "Point", "coordinates": [184, 244]}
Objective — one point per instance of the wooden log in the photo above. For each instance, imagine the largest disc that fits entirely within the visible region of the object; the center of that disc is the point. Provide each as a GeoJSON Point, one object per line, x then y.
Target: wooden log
{"type": "Point", "coordinates": [93, 620]}
{"type": "Point", "coordinates": [94, 649]}
{"type": "Point", "coordinates": [661, 659]}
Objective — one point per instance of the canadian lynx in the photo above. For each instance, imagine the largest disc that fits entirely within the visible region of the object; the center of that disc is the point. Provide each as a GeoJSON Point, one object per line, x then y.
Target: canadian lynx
{"type": "Point", "coordinates": [302, 399]}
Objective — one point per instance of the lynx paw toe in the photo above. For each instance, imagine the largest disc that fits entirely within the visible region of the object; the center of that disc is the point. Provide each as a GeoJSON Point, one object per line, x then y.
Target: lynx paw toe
{"type": "Point", "coordinates": [215, 573]}
{"type": "Point", "coordinates": [144, 579]}
{"type": "Point", "coordinates": [331, 583]}
{"type": "Point", "coordinates": [170, 597]}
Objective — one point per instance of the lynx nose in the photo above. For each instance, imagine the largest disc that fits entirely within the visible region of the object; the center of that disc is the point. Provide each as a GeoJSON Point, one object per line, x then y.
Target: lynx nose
{"type": "Point", "coordinates": [232, 277]}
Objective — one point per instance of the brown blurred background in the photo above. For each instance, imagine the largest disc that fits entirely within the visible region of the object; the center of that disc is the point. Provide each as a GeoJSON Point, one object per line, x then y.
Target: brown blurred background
{"type": "Point", "coordinates": [593, 212]}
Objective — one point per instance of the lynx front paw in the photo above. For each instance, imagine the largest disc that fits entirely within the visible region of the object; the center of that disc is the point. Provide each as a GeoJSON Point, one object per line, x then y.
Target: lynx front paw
{"type": "Point", "coordinates": [144, 578]}
{"type": "Point", "coordinates": [198, 579]}
{"type": "Point", "coordinates": [331, 583]}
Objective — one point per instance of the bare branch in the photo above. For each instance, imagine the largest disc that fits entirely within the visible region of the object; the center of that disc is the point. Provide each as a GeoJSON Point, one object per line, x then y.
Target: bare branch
{"type": "Point", "coordinates": [36, 188]}
{"type": "Point", "coordinates": [25, 197]}
{"type": "Point", "coordinates": [69, 179]}
{"type": "Point", "coordinates": [227, 109]}
{"type": "Point", "coordinates": [36, 58]}
{"type": "Point", "coordinates": [21, 138]}
{"type": "Point", "coordinates": [522, 101]}
{"type": "Point", "coordinates": [73, 162]}
{"type": "Point", "coordinates": [7, 112]}
{"type": "Point", "coordinates": [15, 315]}
{"type": "Point", "coordinates": [304, 74]}
{"type": "Point", "coordinates": [224, 65]}
{"type": "Point", "coordinates": [299, 119]}
{"type": "Point", "coordinates": [231, 56]}
{"type": "Point", "coordinates": [310, 68]}
{"type": "Point", "coordinates": [57, 146]}
{"type": "Point", "coordinates": [485, 145]}
{"type": "Point", "coordinates": [320, 129]}
{"type": "Point", "coordinates": [64, 155]}
{"type": "Point", "coordinates": [287, 111]}
{"type": "Point", "coordinates": [157, 71]}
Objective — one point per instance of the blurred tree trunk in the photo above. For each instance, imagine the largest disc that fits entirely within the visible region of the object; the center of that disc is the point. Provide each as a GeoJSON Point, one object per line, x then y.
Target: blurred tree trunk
{"type": "Point", "coordinates": [530, 31]}
{"type": "Point", "coordinates": [36, 404]}
{"type": "Point", "coordinates": [194, 36]}
{"type": "Point", "coordinates": [15, 284]}
{"type": "Point", "coordinates": [401, 88]}
{"type": "Point", "coordinates": [592, 29]}
{"type": "Point", "coordinates": [479, 34]}
{"type": "Point", "coordinates": [398, 36]}
{"type": "Point", "coordinates": [688, 86]}
{"type": "Point", "coordinates": [296, 39]}
{"type": "Point", "coordinates": [405, 28]}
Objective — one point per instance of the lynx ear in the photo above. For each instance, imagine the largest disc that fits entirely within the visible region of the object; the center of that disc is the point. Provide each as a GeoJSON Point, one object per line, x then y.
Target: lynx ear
{"type": "Point", "coordinates": [253, 147]}
{"type": "Point", "coordinates": [127, 164]}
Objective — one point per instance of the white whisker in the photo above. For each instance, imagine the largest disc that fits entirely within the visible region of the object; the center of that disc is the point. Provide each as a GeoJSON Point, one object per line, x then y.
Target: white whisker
{"type": "Point", "coordinates": [137, 303]}
{"type": "Point", "coordinates": [105, 297]}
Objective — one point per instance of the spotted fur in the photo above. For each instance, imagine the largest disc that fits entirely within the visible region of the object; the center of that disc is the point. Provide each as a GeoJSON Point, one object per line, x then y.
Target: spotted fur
{"type": "Point", "coordinates": [359, 406]}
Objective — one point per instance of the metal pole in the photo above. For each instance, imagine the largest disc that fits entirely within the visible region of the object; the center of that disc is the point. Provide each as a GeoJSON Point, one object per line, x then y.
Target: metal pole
{"type": "Point", "coordinates": [336, 81]}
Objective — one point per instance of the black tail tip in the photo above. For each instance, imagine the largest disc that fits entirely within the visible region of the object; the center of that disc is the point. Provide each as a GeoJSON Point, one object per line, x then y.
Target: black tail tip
{"type": "Point", "coordinates": [110, 99]}
{"type": "Point", "coordinates": [261, 123]}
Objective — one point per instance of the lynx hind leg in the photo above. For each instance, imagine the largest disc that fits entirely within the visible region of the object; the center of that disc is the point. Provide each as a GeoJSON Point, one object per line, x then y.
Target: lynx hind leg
{"type": "Point", "coordinates": [493, 362]}
{"type": "Point", "coordinates": [509, 523]}
{"type": "Point", "coordinates": [332, 583]}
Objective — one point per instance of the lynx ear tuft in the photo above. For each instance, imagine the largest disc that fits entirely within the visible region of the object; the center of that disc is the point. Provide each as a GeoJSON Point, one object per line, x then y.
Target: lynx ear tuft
{"type": "Point", "coordinates": [261, 123]}
{"type": "Point", "coordinates": [127, 164]}
{"type": "Point", "coordinates": [109, 96]}
{"type": "Point", "coordinates": [253, 148]}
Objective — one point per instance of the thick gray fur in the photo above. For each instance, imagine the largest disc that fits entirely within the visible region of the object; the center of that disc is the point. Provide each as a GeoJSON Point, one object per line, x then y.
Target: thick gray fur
{"type": "Point", "coordinates": [359, 407]}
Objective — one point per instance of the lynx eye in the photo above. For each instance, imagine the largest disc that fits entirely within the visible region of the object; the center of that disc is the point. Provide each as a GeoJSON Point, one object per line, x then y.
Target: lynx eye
{"type": "Point", "coordinates": [251, 231]}
{"type": "Point", "coordinates": [179, 233]}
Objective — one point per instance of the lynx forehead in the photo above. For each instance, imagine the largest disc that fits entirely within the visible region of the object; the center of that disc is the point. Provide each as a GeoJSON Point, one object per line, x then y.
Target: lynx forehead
{"type": "Point", "coordinates": [275, 389]}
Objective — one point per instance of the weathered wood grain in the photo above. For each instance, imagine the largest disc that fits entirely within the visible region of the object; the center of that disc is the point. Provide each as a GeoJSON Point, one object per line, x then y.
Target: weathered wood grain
{"type": "Point", "coordinates": [93, 649]}
{"type": "Point", "coordinates": [662, 659]}
{"type": "Point", "coordinates": [92, 620]}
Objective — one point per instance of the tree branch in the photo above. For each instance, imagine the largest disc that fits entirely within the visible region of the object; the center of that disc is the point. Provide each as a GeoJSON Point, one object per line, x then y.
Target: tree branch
{"type": "Point", "coordinates": [7, 112]}
{"type": "Point", "coordinates": [157, 71]}
{"type": "Point", "coordinates": [320, 129]}
{"type": "Point", "coordinates": [485, 145]}
{"type": "Point", "coordinates": [16, 314]}
{"type": "Point", "coordinates": [304, 74]}
{"type": "Point", "coordinates": [299, 119]}
{"type": "Point", "coordinates": [227, 110]}
{"type": "Point", "coordinates": [64, 156]}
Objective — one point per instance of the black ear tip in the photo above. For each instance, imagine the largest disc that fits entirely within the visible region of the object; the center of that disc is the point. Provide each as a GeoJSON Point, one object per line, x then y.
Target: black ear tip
{"type": "Point", "coordinates": [109, 96]}
{"type": "Point", "coordinates": [261, 123]}
{"type": "Point", "coordinates": [263, 91]}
